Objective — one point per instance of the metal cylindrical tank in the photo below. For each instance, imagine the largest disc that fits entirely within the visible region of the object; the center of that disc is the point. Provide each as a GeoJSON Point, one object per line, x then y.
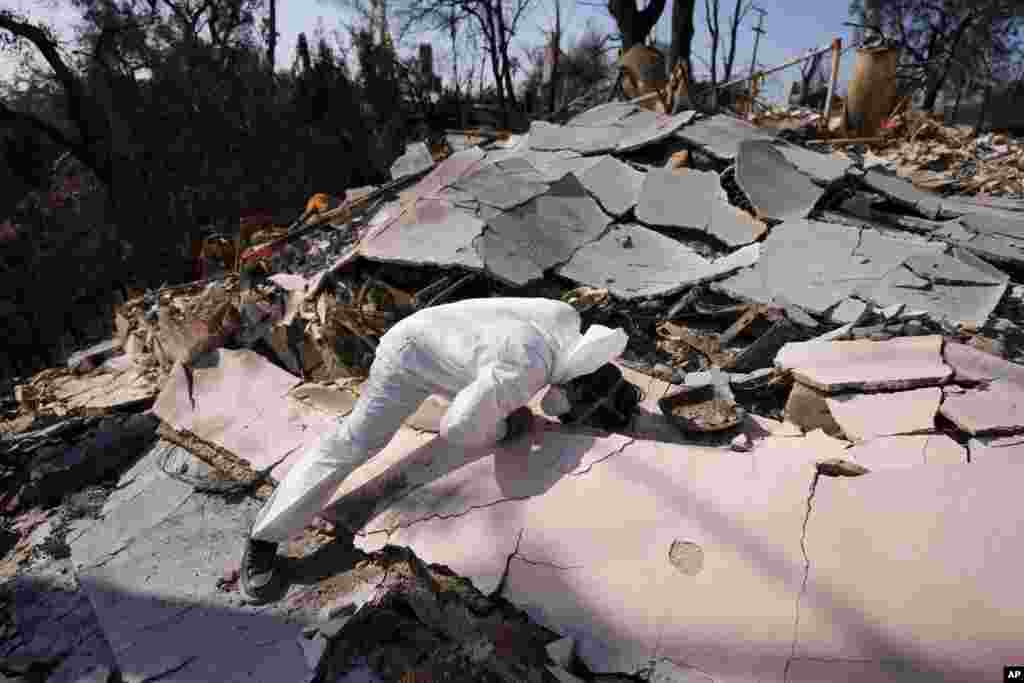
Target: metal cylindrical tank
{"type": "Point", "coordinates": [872, 94]}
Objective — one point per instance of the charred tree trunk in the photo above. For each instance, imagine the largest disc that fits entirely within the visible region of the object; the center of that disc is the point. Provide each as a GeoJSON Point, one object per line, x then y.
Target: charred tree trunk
{"type": "Point", "coordinates": [635, 24]}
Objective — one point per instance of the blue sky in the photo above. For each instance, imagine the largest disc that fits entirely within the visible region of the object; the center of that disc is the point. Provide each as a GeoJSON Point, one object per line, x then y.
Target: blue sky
{"type": "Point", "coordinates": [792, 26]}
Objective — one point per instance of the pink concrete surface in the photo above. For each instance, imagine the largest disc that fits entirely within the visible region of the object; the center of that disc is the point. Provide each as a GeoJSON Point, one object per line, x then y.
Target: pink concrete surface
{"type": "Point", "coordinates": [922, 569]}
{"type": "Point", "coordinates": [865, 416]}
{"type": "Point", "coordinates": [972, 365]}
{"type": "Point", "coordinates": [590, 553]}
{"type": "Point", "coordinates": [1004, 450]}
{"type": "Point", "coordinates": [242, 405]}
{"type": "Point", "coordinates": [995, 409]}
{"type": "Point", "coordinates": [903, 363]}
{"type": "Point", "coordinates": [895, 452]}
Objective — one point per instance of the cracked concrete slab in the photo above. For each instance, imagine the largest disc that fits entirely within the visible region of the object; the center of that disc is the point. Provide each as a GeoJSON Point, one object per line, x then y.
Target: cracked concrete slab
{"type": "Point", "coordinates": [973, 365]}
{"type": "Point", "coordinates": [904, 192]}
{"type": "Point", "coordinates": [1005, 225]}
{"type": "Point", "coordinates": [550, 137]}
{"type": "Point", "coordinates": [642, 129]}
{"type": "Point", "coordinates": [604, 114]}
{"type": "Point", "coordinates": [440, 236]}
{"type": "Point", "coordinates": [732, 226]}
{"type": "Point", "coordinates": [416, 159]}
{"type": "Point", "coordinates": [997, 408]}
{"type": "Point", "coordinates": [912, 536]}
{"type": "Point", "coordinates": [242, 405]}
{"type": "Point", "coordinates": [615, 185]}
{"type": "Point", "coordinates": [163, 615]}
{"type": "Point", "coordinates": [680, 198]}
{"type": "Point", "coordinates": [865, 416]}
{"type": "Point", "coordinates": [897, 364]}
{"type": "Point", "coordinates": [519, 245]}
{"type": "Point", "coordinates": [895, 452]}
{"type": "Point", "coordinates": [721, 135]}
{"type": "Point", "coordinates": [634, 262]}
{"type": "Point", "coordinates": [774, 186]}
{"type": "Point", "coordinates": [824, 168]}
{"type": "Point", "coordinates": [503, 185]}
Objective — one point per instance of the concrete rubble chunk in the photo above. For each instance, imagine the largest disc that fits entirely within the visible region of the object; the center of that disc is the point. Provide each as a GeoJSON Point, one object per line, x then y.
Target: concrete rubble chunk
{"type": "Point", "coordinates": [519, 245]}
{"type": "Point", "coordinates": [895, 452]}
{"type": "Point", "coordinates": [1000, 450]}
{"type": "Point", "coordinates": [997, 408]}
{"type": "Point", "coordinates": [415, 160]}
{"type": "Point", "coordinates": [242, 405]}
{"type": "Point", "coordinates": [849, 311]}
{"type": "Point", "coordinates": [604, 114]}
{"type": "Point", "coordinates": [824, 168]}
{"type": "Point", "coordinates": [561, 651]}
{"type": "Point", "coordinates": [582, 139]}
{"type": "Point", "coordinates": [775, 188]}
{"type": "Point", "coordinates": [904, 192]}
{"type": "Point", "coordinates": [721, 135]}
{"type": "Point", "coordinates": [1005, 225]}
{"type": "Point", "coordinates": [807, 408]}
{"type": "Point", "coordinates": [504, 185]}
{"type": "Point", "coordinates": [640, 133]}
{"type": "Point", "coordinates": [441, 236]}
{"type": "Point", "coordinates": [865, 416]}
{"type": "Point", "coordinates": [615, 185]}
{"type": "Point", "coordinates": [973, 365]}
{"type": "Point", "coordinates": [732, 226]}
{"type": "Point", "coordinates": [897, 364]}
{"type": "Point", "coordinates": [634, 262]}
{"type": "Point", "coordinates": [681, 198]}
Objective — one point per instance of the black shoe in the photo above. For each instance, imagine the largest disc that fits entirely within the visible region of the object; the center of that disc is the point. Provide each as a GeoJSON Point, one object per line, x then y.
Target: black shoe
{"type": "Point", "coordinates": [261, 575]}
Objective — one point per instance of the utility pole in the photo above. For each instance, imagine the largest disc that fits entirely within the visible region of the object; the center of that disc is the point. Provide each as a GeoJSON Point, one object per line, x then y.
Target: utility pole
{"type": "Point", "coordinates": [758, 31]}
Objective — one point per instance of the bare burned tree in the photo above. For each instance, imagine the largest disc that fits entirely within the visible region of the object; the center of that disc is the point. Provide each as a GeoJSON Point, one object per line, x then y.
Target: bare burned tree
{"type": "Point", "coordinates": [724, 45]}
{"type": "Point", "coordinates": [634, 23]}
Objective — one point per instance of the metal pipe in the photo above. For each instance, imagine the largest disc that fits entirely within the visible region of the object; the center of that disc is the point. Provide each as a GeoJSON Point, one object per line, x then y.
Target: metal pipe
{"type": "Point", "coordinates": [837, 50]}
{"type": "Point", "coordinates": [772, 70]}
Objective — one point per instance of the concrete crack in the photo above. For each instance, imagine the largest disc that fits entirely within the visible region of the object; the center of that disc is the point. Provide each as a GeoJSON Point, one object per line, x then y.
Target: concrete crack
{"type": "Point", "coordinates": [617, 451]}
{"type": "Point", "coordinates": [514, 555]}
{"type": "Point", "coordinates": [176, 617]}
{"type": "Point", "coordinates": [807, 573]}
{"type": "Point", "coordinates": [167, 672]}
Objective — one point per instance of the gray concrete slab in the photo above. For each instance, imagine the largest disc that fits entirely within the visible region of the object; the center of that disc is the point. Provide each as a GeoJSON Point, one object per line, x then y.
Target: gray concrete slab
{"type": "Point", "coordinates": [904, 192]}
{"type": "Point", "coordinates": [1007, 225]}
{"type": "Point", "coordinates": [519, 245]}
{"type": "Point", "coordinates": [604, 114]}
{"type": "Point", "coordinates": [583, 139]}
{"type": "Point", "coordinates": [824, 168]}
{"type": "Point", "coordinates": [615, 185]}
{"type": "Point", "coordinates": [732, 226]}
{"type": "Point", "coordinates": [415, 160]}
{"type": "Point", "coordinates": [774, 186]}
{"type": "Point", "coordinates": [440, 236]}
{"type": "Point", "coordinates": [721, 135]}
{"type": "Point", "coordinates": [680, 198]}
{"type": "Point", "coordinates": [642, 129]}
{"type": "Point", "coordinates": [504, 185]}
{"type": "Point", "coordinates": [633, 262]}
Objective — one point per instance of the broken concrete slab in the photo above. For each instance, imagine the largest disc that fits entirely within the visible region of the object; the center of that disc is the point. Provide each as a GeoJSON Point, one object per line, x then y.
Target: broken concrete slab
{"type": "Point", "coordinates": [503, 185]}
{"type": "Point", "coordinates": [721, 135]}
{"type": "Point", "coordinates": [641, 132]}
{"type": "Point", "coordinates": [615, 185]}
{"type": "Point", "coordinates": [897, 364]}
{"type": "Point", "coordinates": [895, 452]}
{"type": "Point", "coordinates": [973, 365]}
{"type": "Point", "coordinates": [551, 137]}
{"type": "Point", "coordinates": [416, 159]}
{"type": "Point", "coordinates": [634, 262]}
{"type": "Point", "coordinates": [773, 185]}
{"type": "Point", "coordinates": [518, 246]}
{"type": "Point", "coordinates": [1005, 225]}
{"type": "Point", "coordinates": [904, 192]}
{"type": "Point", "coordinates": [824, 168]}
{"type": "Point", "coordinates": [732, 226]}
{"type": "Point", "coordinates": [999, 450]}
{"type": "Point", "coordinates": [440, 236]}
{"type": "Point", "coordinates": [680, 198]}
{"type": "Point", "coordinates": [997, 408]}
{"type": "Point", "coordinates": [849, 311]}
{"type": "Point", "coordinates": [564, 559]}
{"type": "Point", "coordinates": [863, 417]}
{"type": "Point", "coordinates": [807, 408]}
{"type": "Point", "coordinates": [241, 404]}
{"type": "Point", "coordinates": [604, 114]}
{"type": "Point", "coordinates": [914, 539]}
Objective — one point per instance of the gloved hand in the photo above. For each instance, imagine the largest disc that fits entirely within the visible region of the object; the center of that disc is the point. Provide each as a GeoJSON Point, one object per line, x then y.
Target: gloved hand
{"type": "Point", "coordinates": [517, 423]}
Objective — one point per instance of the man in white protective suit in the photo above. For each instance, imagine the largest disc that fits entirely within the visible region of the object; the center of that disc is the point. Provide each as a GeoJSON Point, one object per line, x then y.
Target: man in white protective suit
{"type": "Point", "coordinates": [491, 355]}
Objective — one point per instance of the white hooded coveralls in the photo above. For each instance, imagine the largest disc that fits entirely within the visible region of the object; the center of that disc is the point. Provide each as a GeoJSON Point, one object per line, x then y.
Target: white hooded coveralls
{"type": "Point", "coordinates": [492, 355]}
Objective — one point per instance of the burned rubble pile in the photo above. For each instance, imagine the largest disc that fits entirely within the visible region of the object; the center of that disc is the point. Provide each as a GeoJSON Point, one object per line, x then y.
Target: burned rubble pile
{"type": "Point", "coordinates": [792, 315]}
